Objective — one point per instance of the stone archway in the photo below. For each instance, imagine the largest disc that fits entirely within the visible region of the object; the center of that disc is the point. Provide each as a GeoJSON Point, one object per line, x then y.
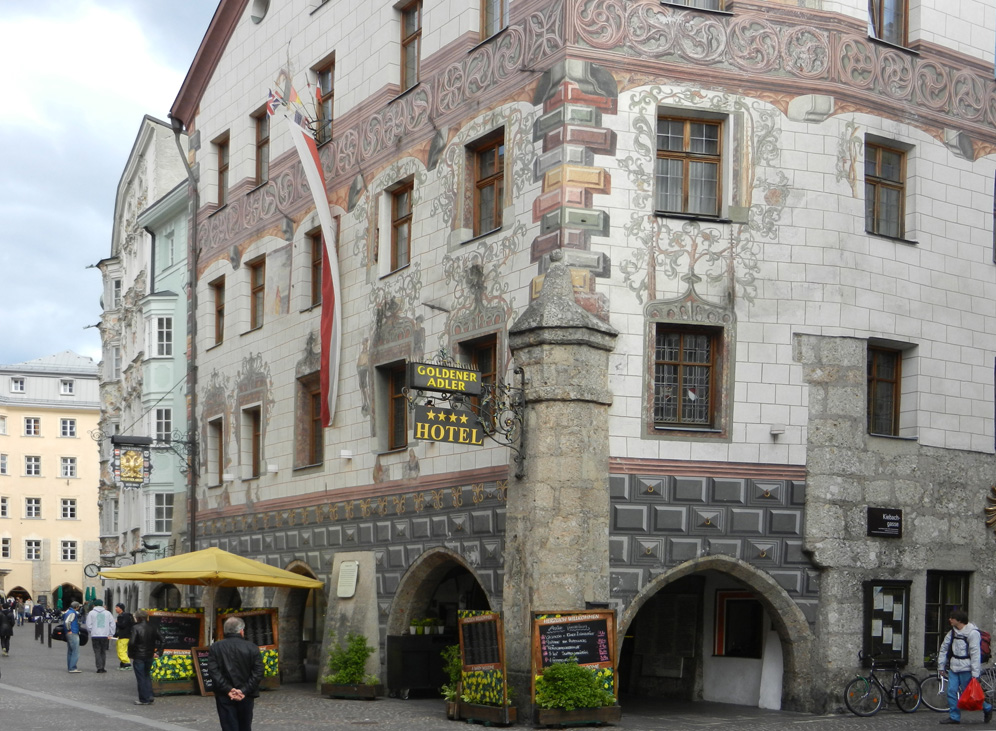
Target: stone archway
{"type": "Point", "coordinates": [787, 619]}
{"type": "Point", "coordinates": [295, 649]}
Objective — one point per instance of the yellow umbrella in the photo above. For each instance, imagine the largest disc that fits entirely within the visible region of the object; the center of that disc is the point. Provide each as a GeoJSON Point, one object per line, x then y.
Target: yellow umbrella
{"type": "Point", "coordinates": [211, 567]}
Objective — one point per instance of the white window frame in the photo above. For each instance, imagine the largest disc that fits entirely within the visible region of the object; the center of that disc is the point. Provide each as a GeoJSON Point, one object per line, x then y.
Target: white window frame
{"type": "Point", "coordinates": [35, 426]}
{"type": "Point", "coordinates": [161, 336]}
{"type": "Point", "coordinates": [3, 426]}
{"type": "Point", "coordinates": [17, 384]}
{"type": "Point", "coordinates": [109, 517]}
{"type": "Point", "coordinates": [116, 362]}
{"type": "Point", "coordinates": [68, 508]}
{"type": "Point", "coordinates": [4, 507]}
{"type": "Point", "coordinates": [32, 465]}
{"type": "Point", "coordinates": [67, 428]}
{"type": "Point", "coordinates": [32, 507]}
{"type": "Point", "coordinates": [159, 513]}
{"type": "Point", "coordinates": [165, 249]}
{"type": "Point", "coordinates": [67, 387]}
{"type": "Point", "coordinates": [67, 469]}
{"type": "Point", "coordinates": [32, 549]}
{"type": "Point", "coordinates": [68, 551]}
{"type": "Point", "coordinates": [162, 427]}
{"type": "Point", "coordinates": [4, 548]}
{"type": "Point", "coordinates": [3, 464]}
{"type": "Point", "coordinates": [116, 288]}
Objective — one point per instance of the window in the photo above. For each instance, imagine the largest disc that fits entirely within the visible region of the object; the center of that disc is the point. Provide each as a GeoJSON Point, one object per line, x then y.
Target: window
{"type": "Point", "coordinates": [494, 17]}
{"type": "Point", "coordinates": [17, 385]}
{"type": "Point", "coordinates": [109, 517]}
{"type": "Point", "coordinates": [68, 468]}
{"type": "Point", "coordinates": [686, 376]}
{"type": "Point", "coordinates": [165, 249]}
{"type": "Point", "coordinates": [66, 386]}
{"type": "Point", "coordinates": [4, 548]}
{"type": "Point", "coordinates": [164, 424]}
{"type": "Point", "coordinates": [162, 513]}
{"type": "Point", "coordinates": [68, 550]}
{"type": "Point", "coordinates": [884, 380]}
{"type": "Point", "coordinates": [324, 98]}
{"type": "Point", "coordinates": [32, 426]}
{"type": "Point", "coordinates": [116, 362]}
{"type": "Point", "coordinates": [221, 148]}
{"type": "Point", "coordinates": [886, 620]}
{"type": "Point", "coordinates": [67, 427]}
{"type": "Point", "coordinates": [317, 245]}
{"type": "Point", "coordinates": [701, 4]}
{"type": "Point", "coordinates": [887, 20]}
{"type": "Point", "coordinates": [885, 190]}
{"type": "Point", "coordinates": [310, 442]}
{"type": "Point", "coordinates": [482, 355]}
{"type": "Point", "coordinates": [252, 424]}
{"type": "Point", "coordinates": [257, 292]}
{"type": "Point", "coordinates": [393, 378]}
{"type": "Point", "coordinates": [164, 336]}
{"type": "Point", "coordinates": [4, 508]}
{"type": "Point", "coordinates": [262, 123]}
{"type": "Point", "coordinates": [489, 189]}
{"type": "Point", "coordinates": [216, 451]}
{"type": "Point", "coordinates": [32, 550]}
{"type": "Point", "coordinates": [32, 507]}
{"type": "Point", "coordinates": [32, 466]}
{"type": "Point", "coordinates": [3, 464]}
{"type": "Point", "coordinates": [3, 425]}
{"type": "Point", "coordinates": [401, 225]}
{"type": "Point", "coordinates": [68, 511]}
{"type": "Point", "coordinates": [946, 590]}
{"type": "Point", "coordinates": [411, 39]}
{"type": "Point", "coordinates": [218, 292]}
{"type": "Point", "coordinates": [116, 293]}
{"type": "Point", "coordinates": [687, 176]}
{"type": "Point", "coordinates": [739, 630]}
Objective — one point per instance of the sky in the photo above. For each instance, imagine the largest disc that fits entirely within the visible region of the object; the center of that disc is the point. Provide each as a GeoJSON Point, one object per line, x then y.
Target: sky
{"type": "Point", "coordinates": [83, 74]}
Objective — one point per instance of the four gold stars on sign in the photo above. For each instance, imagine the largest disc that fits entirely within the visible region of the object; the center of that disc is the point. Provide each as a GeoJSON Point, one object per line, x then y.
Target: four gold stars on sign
{"type": "Point", "coordinates": [452, 417]}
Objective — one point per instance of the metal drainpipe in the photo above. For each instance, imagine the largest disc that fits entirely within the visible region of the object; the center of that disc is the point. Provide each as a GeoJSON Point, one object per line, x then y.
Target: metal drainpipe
{"type": "Point", "coordinates": [192, 259]}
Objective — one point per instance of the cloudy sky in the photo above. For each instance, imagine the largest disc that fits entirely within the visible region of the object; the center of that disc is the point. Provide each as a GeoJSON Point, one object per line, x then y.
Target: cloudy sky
{"type": "Point", "coordinates": [78, 76]}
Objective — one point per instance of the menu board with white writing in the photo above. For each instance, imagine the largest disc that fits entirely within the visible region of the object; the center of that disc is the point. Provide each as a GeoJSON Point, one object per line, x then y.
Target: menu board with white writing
{"type": "Point", "coordinates": [589, 637]}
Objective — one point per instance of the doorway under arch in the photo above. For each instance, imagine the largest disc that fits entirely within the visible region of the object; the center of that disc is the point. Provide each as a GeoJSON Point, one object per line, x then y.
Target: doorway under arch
{"type": "Point", "coordinates": [165, 596]}
{"type": "Point", "coordinates": [19, 592]}
{"type": "Point", "coordinates": [716, 622]}
{"type": "Point", "coordinates": [301, 627]}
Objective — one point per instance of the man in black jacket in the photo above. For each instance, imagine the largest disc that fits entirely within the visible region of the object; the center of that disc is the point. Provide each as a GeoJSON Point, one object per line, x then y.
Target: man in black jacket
{"type": "Point", "coordinates": [144, 646]}
{"type": "Point", "coordinates": [236, 670]}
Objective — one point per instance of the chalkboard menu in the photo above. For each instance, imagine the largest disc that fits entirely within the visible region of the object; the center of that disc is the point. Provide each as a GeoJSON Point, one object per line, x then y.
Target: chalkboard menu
{"type": "Point", "coordinates": [201, 670]}
{"type": "Point", "coordinates": [481, 643]}
{"type": "Point", "coordinates": [261, 625]}
{"type": "Point", "coordinates": [180, 630]}
{"type": "Point", "coordinates": [586, 636]}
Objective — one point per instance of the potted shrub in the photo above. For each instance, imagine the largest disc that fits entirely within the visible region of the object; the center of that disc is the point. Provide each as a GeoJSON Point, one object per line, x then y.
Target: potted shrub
{"type": "Point", "coordinates": [347, 676]}
{"type": "Point", "coordinates": [568, 693]}
{"type": "Point", "coordinates": [451, 688]}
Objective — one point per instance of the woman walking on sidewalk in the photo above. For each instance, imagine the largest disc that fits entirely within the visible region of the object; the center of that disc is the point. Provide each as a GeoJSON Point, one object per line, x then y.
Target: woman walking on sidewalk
{"type": "Point", "coordinates": [6, 630]}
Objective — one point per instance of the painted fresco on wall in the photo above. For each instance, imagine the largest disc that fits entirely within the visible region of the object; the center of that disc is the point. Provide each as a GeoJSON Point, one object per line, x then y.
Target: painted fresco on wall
{"type": "Point", "coordinates": [278, 279]}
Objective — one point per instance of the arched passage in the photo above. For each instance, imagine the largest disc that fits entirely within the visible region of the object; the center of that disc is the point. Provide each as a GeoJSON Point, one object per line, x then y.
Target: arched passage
{"type": "Point", "coordinates": [165, 596]}
{"type": "Point", "coordinates": [301, 618]}
{"type": "Point", "coordinates": [786, 620]}
{"type": "Point", "coordinates": [438, 584]}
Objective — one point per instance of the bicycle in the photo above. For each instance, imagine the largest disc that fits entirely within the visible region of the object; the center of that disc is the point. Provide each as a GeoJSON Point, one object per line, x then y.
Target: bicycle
{"type": "Point", "coordinates": [934, 689]}
{"type": "Point", "coordinates": [865, 695]}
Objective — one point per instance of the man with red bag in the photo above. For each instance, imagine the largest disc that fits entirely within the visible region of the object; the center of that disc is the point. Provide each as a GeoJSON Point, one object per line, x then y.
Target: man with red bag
{"type": "Point", "coordinates": [963, 645]}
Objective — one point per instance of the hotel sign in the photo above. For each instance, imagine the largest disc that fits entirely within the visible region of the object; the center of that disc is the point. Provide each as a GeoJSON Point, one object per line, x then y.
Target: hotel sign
{"type": "Point", "coordinates": [436, 424]}
{"type": "Point", "coordinates": [430, 377]}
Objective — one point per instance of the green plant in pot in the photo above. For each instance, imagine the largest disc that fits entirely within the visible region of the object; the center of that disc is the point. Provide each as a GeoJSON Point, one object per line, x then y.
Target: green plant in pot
{"type": "Point", "coordinates": [569, 686]}
{"type": "Point", "coordinates": [347, 662]}
{"type": "Point", "coordinates": [452, 665]}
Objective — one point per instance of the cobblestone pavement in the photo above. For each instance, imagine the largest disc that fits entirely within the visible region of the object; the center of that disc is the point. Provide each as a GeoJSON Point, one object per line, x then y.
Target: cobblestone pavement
{"type": "Point", "coordinates": [36, 693]}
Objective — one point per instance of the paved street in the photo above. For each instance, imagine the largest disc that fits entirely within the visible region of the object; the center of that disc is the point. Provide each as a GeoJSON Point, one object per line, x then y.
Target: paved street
{"type": "Point", "coordinates": [36, 693]}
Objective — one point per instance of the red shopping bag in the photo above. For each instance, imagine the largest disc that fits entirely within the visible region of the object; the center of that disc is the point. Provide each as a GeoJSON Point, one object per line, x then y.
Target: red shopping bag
{"type": "Point", "coordinates": [971, 698]}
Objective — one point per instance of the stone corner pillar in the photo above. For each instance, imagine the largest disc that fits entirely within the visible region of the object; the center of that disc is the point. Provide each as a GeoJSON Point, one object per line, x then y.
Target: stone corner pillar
{"type": "Point", "coordinates": [557, 519]}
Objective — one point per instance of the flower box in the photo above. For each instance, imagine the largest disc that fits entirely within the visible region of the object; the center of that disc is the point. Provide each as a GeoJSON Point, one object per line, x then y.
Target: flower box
{"type": "Point", "coordinates": [488, 715]}
{"type": "Point", "coordinates": [355, 692]}
{"type": "Point", "coordinates": [187, 686]}
{"type": "Point", "coordinates": [271, 682]}
{"type": "Point", "coordinates": [560, 717]}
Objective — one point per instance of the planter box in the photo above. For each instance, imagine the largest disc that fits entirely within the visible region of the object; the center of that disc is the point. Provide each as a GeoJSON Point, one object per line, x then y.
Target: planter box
{"type": "Point", "coordinates": [355, 692]}
{"type": "Point", "coordinates": [270, 683]}
{"type": "Point", "coordinates": [175, 687]}
{"type": "Point", "coordinates": [488, 715]}
{"type": "Point", "coordinates": [579, 716]}
{"type": "Point", "coordinates": [453, 710]}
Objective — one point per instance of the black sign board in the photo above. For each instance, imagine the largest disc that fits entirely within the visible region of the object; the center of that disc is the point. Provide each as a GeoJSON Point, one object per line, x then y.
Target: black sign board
{"type": "Point", "coordinates": [431, 377]}
{"type": "Point", "coordinates": [885, 522]}
{"type": "Point", "coordinates": [201, 670]}
{"type": "Point", "coordinates": [261, 625]}
{"type": "Point", "coordinates": [436, 424]}
{"type": "Point", "coordinates": [180, 631]}
{"type": "Point", "coordinates": [480, 642]}
{"type": "Point", "coordinates": [586, 639]}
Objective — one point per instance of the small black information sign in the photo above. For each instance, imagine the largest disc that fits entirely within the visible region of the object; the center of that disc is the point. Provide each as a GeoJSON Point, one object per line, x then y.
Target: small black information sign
{"type": "Point", "coordinates": [261, 625]}
{"type": "Point", "coordinates": [180, 630]}
{"type": "Point", "coordinates": [201, 670]}
{"type": "Point", "coordinates": [885, 522]}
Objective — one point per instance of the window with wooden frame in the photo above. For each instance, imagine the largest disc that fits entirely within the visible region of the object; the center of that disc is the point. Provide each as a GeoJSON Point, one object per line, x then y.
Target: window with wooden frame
{"type": "Point", "coordinates": [946, 591]}
{"type": "Point", "coordinates": [316, 247]}
{"type": "Point", "coordinates": [324, 100]}
{"type": "Point", "coordinates": [401, 225]}
{"type": "Point", "coordinates": [686, 376]}
{"type": "Point", "coordinates": [481, 355]}
{"type": "Point", "coordinates": [739, 628]}
{"type": "Point", "coordinates": [888, 20]}
{"type": "Point", "coordinates": [218, 297]}
{"type": "Point", "coordinates": [252, 424]}
{"type": "Point", "coordinates": [489, 184]}
{"type": "Point", "coordinates": [886, 626]}
{"type": "Point", "coordinates": [688, 172]}
{"type": "Point", "coordinates": [884, 382]}
{"type": "Point", "coordinates": [885, 190]}
{"type": "Point", "coordinates": [216, 451]}
{"type": "Point", "coordinates": [262, 123]}
{"type": "Point", "coordinates": [257, 292]}
{"type": "Point", "coordinates": [411, 40]}
{"type": "Point", "coordinates": [221, 147]}
{"type": "Point", "coordinates": [392, 379]}
{"type": "Point", "coordinates": [310, 437]}
{"type": "Point", "coordinates": [494, 17]}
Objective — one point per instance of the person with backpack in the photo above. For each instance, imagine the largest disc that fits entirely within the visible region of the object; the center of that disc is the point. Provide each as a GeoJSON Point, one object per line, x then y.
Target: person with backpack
{"type": "Point", "coordinates": [71, 621]}
{"type": "Point", "coordinates": [960, 659]}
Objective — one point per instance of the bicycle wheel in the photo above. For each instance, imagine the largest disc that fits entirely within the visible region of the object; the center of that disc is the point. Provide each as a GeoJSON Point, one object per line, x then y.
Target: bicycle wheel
{"type": "Point", "coordinates": [862, 697]}
{"type": "Point", "coordinates": [934, 694]}
{"type": "Point", "coordinates": [908, 693]}
{"type": "Point", "coordinates": [988, 681]}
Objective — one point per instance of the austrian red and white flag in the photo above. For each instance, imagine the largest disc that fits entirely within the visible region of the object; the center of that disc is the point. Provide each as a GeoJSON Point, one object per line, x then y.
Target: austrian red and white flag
{"type": "Point", "coordinates": [331, 324]}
